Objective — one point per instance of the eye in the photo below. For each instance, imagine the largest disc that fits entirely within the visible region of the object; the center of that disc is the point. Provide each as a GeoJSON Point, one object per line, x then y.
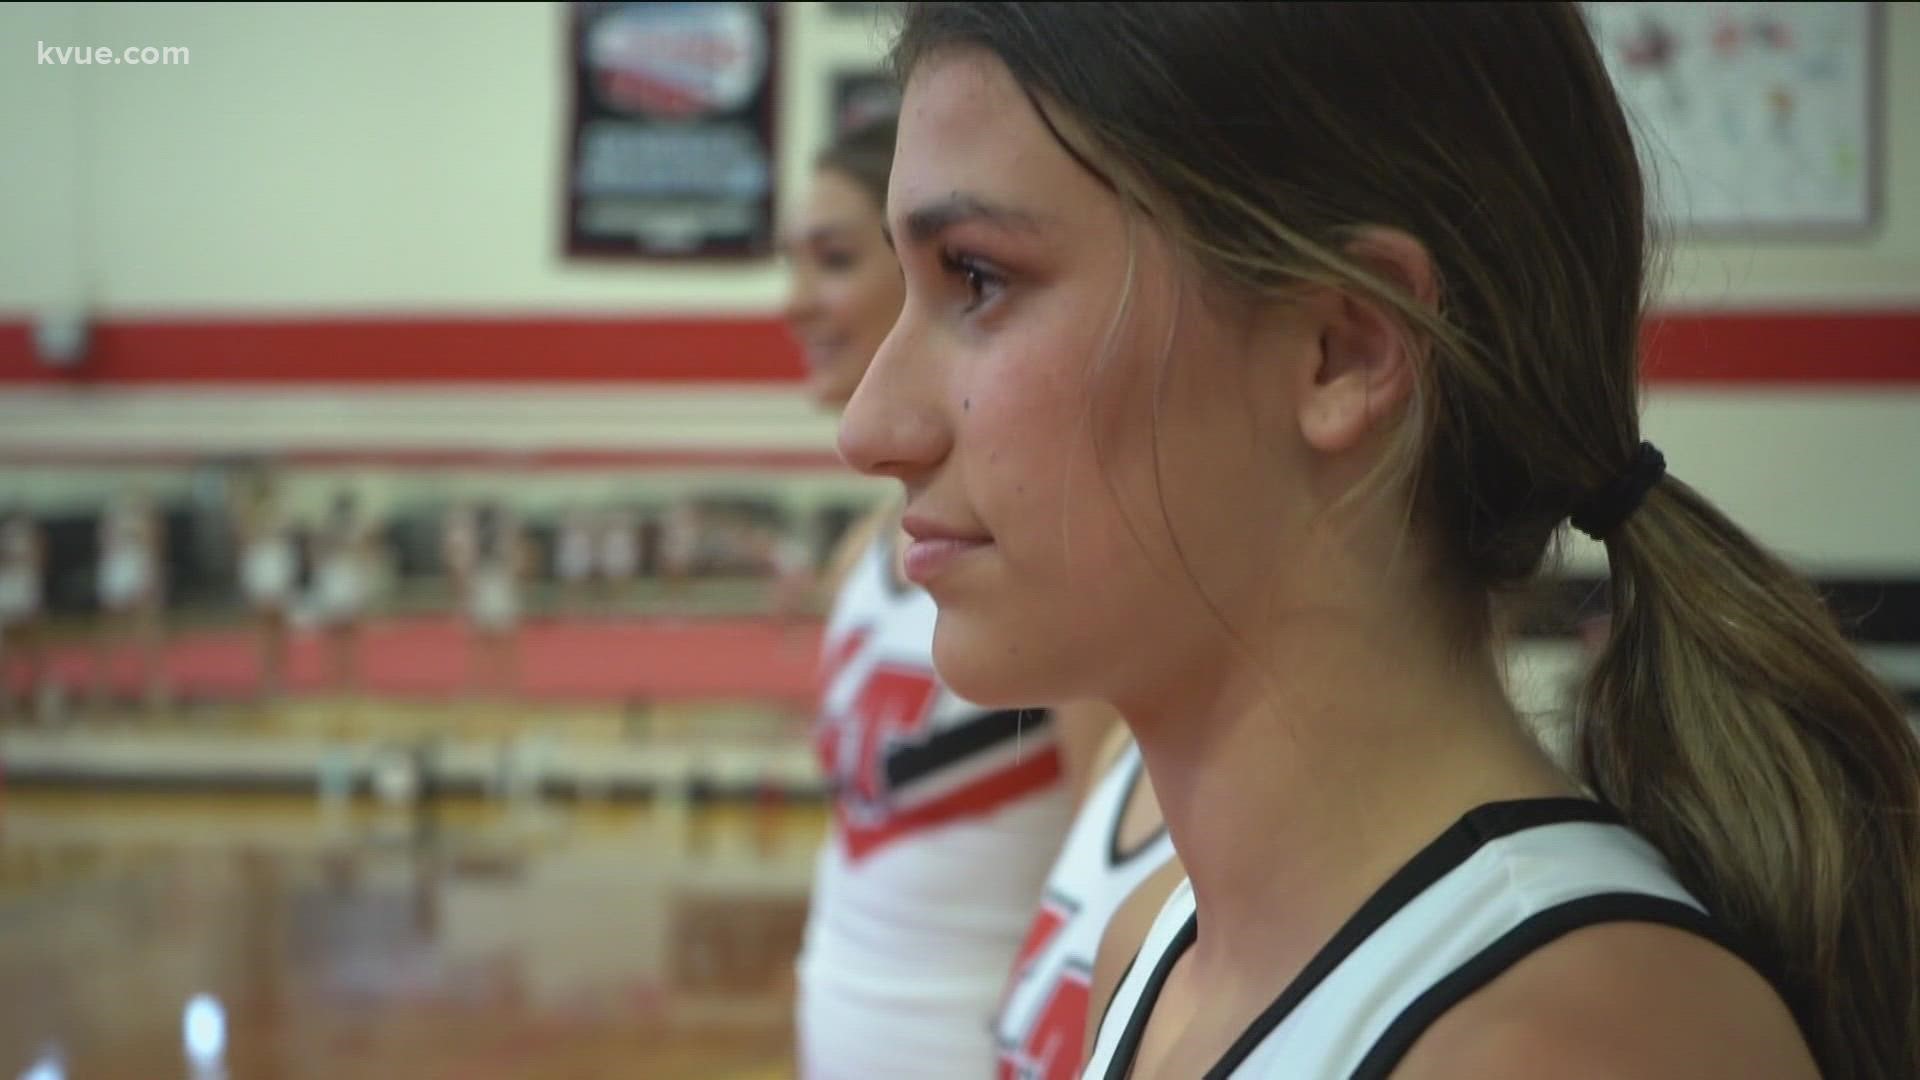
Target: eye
{"type": "Point", "coordinates": [981, 281]}
{"type": "Point", "coordinates": [837, 260]}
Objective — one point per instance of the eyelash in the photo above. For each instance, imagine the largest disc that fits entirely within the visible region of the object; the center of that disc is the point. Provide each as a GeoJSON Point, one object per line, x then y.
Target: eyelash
{"type": "Point", "coordinates": [969, 269]}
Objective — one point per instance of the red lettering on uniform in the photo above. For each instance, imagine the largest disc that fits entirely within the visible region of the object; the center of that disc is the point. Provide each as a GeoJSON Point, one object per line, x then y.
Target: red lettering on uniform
{"type": "Point", "coordinates": [893, 705]}
{"type": "Point", "coordinates": [1037, 772]}
{"type": "Point", "coordinates": [1046, 926]}
{"type": "Point", "coordinates": [1047, 923]}
{"type": "Point", "coordinates": [1051, 1050]}
{"type": "Point", "coordinates": [841, 653]}
{"type": "Point", "coordinates": [827, 729]}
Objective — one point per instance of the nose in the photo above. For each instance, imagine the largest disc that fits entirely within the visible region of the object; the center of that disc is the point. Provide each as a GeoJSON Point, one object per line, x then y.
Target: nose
{"type": "Point", "coordinates": [892, 426]}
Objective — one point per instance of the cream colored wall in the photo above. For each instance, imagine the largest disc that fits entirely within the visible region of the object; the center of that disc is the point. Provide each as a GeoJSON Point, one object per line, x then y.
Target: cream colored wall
{"type": "Point", "coordinates": [344, 159]}
{"type": "Point", "coordinates": [334, 158]}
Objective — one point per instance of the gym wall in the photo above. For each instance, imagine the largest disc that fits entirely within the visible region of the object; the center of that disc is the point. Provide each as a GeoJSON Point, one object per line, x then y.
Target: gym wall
{"type": "Point", "coordinates": [338, 241]}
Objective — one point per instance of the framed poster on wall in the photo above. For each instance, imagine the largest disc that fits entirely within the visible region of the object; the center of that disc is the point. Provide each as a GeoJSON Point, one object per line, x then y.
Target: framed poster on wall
{"type": "Point", "coordinates": [672, 145]}
{"type": "Point", "coordinates": [1753, 119]}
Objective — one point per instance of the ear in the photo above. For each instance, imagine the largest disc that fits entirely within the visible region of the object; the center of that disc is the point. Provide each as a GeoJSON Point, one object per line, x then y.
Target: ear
{"type": "Point", "coordinates": [1368, 362]}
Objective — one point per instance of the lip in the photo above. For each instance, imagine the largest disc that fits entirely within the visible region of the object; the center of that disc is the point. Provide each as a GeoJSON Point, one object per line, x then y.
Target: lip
{"type": "Point", "coordinates": [921, 527]}
{"type": "Point", "coordinates": [936, 547]}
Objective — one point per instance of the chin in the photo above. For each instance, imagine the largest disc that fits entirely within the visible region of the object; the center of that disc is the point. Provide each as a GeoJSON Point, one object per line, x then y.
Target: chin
{"type": "Point", "coordinates": [980, 665]}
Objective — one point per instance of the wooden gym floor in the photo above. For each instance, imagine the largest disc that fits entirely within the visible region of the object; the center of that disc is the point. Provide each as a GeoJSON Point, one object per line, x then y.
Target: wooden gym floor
{"type": "Point", "coordinates": [457, 939]}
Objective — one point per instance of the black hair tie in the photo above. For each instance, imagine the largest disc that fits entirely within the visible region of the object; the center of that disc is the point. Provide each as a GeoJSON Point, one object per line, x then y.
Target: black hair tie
{"type": "Point", "coordinates": [1606, 507]}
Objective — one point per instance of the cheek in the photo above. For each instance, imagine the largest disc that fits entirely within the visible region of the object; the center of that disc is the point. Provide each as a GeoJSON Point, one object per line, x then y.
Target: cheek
{"type": "Point", "coordinates": [838, 302]}
{"type": "Point", "coordinates": [1038, 477]}
{"type": "Point", "coordinates": [1208, 473]}
{"type": "Point", "coordinates": [1017, 421]}
{"type": "Point", "coordinates": [881, 295]}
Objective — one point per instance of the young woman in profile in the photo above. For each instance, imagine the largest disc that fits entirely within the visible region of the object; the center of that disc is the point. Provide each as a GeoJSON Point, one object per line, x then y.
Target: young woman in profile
{"type": "Point", "coordinates": [1249, 353]}
{"type": "Point", "coordinates": [945, 814]}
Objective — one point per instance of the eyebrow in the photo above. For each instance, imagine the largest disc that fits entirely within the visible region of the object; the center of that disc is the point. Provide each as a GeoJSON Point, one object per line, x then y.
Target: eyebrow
{"type": "Point", "coordinates": [924, 223]}
{"type": "Point", "coordinates": [830, 230]}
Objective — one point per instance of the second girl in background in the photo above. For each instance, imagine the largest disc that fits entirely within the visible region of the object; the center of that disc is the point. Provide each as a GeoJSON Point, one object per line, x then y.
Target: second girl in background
{"type": "Point", "coordinates": [946, 815]}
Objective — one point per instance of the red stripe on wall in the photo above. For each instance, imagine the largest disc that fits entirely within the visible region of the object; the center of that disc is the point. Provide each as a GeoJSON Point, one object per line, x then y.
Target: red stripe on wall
{"type": "Point", "coordinates": [1682, 348]}
{"type": "Point", "coordinates": [376, 457]}
{"type": "Point", "coordinates": [423, 350]}
{"type": "Point", "coordinates": [1783, 347]}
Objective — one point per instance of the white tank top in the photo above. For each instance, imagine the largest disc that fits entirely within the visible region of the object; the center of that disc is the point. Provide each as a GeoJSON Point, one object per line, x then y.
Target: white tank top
{"type": "Point", "coordinates": [127, 529]}
{"type": "Point", "coordinates": [1042, 1023]}
{"type": "Point", "coordinates": [945, 816]}
{"type": "Point", "coordinates": [461, 542]}
{"type": "Point", "coordinates": [574, 553]}
{"type": "Point", "coordinates": [620, 549]}
{"type": "Point", "coordinates": [1506, 880]}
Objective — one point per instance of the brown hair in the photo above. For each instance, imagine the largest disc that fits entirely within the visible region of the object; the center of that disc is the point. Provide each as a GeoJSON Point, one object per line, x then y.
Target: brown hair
{"type": "Point", "coordinates": [1726, 718]}
{"type": "Point", "coordinates": [864, 155]}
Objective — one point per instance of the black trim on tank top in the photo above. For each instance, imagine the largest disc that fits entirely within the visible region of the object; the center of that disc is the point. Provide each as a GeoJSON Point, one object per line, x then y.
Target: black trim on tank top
{"type": "Point", "coordinates": [952, 745]}
{"type": "Point", "coordinates": [1443, 855]}
{"type": "Point", "coordinates": [1129, 1045]}
{"type": "Point", "coordinates": [1535, 933]}
{"type": "Point", "coordinates": [1107, 1009]}
{"type": "Point", "coordinates": [1115, 857]}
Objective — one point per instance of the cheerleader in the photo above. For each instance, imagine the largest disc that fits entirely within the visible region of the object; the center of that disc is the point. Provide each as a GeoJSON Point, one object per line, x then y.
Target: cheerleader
{"type": "Point", "coordinates": [619, 552]}
{"type": "Point", "coordinates": [789, 560]}
{"type": "Point", "coordinates": [1252, 356]}
{"type": "Point", "coordinates": [267, 571]}
{"type": "Point", "coordinates": [574, 556]}
{"type": "Point", "coordinates": [494, 599]}
{"type": "Point", "coordinates": [457, 550]}
{"type": "Point", "coordinates": [131, 591]}
{"type": "Point", "coordinates": [679, 546]}
{"type": "Point", "coordinates": [946, 815]}
{"type": "Point", "coordinates": [22, 566]}
{"type": "Point", "coordinates": [343, 579]}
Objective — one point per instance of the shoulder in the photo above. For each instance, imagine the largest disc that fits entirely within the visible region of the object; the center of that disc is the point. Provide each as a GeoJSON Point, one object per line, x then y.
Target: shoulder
{"type": "Point", "coordinates": [1112, 747]}
{"type": "Point", "coordinates": [1125, 935]}
{"type": "Point", "coordinates": [1620, 1000]}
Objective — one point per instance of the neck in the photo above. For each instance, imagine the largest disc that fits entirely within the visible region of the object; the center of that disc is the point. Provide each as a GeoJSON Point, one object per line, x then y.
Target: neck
{"type": "Point", "coordinates": [1302, 782]}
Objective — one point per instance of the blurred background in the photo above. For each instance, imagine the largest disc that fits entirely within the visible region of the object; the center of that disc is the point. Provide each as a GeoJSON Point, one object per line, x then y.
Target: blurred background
{"type": "Point", "coordinates": [408, 503]}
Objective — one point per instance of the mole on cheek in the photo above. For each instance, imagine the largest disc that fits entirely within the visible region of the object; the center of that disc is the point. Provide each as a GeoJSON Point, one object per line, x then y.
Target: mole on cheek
{"type": "Point", "coordinates": [966, 404]}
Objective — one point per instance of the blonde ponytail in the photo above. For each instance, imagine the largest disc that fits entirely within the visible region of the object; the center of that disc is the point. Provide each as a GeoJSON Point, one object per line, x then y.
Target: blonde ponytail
{"type": "Point", "coordinates": [1732, 724]}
